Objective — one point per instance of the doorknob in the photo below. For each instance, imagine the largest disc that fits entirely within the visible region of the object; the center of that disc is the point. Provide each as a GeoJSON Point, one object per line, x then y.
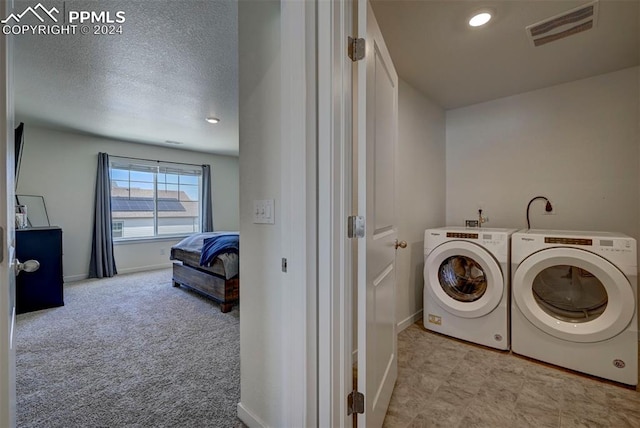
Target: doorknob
{"type": "Point", "coordinates": [28, 266]}
{"type": "Point", "coordinates": [401, 244]}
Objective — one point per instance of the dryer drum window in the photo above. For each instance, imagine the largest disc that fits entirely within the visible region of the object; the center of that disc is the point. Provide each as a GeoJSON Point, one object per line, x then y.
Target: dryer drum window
{"type": "Point", "coordinates": [462, 278]}
{"type": "Point", "coordinates": [570, 293]}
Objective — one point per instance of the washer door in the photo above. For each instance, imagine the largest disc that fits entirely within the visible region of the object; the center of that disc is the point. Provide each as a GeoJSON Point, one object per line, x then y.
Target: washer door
{"type": "Point", "coordinates": [573, 295]}
{"type": "Point", "coordinates": [464, 278]}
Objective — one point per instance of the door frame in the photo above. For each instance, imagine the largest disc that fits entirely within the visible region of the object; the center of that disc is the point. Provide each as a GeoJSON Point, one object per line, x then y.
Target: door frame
{"type": "Point", "coordinates": [316, 181]}
{"type": "Point", "coordinates": [298, 202]}
{"type": "Point", "coordinates": [7, 295]}
{"type": "Point", "coordinates": [335, 250]}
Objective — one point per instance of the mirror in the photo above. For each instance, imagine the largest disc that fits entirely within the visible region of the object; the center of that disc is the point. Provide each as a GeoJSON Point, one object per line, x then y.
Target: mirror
{"type": "Point", "coordinates": [36, 210]}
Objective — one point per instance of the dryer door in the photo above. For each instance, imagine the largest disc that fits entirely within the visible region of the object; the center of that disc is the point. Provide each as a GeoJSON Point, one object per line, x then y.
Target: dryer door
{"type": "Point", "coordinates": [464, 279]}
{"type": "Point", "coordinates": [573, 294]}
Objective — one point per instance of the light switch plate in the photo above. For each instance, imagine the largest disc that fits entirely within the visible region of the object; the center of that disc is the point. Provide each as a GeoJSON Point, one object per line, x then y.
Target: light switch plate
{"type": "Point", "coordinates": [264, 211]}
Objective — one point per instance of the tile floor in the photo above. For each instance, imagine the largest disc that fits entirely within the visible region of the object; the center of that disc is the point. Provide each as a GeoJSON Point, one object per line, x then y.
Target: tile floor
{"type": "Point", "coordinates": [444, 382]}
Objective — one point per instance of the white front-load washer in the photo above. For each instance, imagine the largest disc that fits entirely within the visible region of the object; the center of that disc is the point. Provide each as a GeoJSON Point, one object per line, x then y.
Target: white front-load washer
{"type": "Point", "coordinates": [466, 284]}
{"type": "Point", "coordinates": [574, 301]}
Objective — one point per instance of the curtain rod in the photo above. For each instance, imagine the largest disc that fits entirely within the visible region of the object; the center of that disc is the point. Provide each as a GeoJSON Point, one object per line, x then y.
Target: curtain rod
{"type": "Point", "coordinates": [155, 160]}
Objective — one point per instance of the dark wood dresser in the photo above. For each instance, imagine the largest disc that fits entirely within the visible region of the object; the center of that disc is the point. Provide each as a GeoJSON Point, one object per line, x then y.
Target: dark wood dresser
{"type": "Point", "coordinates": [43, 288]}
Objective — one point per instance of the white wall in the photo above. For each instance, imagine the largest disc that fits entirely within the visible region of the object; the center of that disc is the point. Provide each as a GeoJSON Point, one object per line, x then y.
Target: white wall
{"type": "Point", "coordinates": [261, 352]}
{"type": "Point", "coordinates": [61, 166]}
{"type": "Point", "coordinates": [420, 192]}
{"type": "Point", "coordinates": [575, 143]}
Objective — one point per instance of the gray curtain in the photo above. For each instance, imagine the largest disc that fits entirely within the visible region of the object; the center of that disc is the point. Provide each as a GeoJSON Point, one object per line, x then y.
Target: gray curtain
{"type": "Point", "coordinates": [102, 262]}
{"type": "Point", "coordinates": [207, 206]}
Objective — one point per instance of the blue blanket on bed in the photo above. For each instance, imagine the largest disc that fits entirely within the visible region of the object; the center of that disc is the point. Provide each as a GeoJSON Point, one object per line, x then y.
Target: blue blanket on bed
{"type": "Point", "coordinates": [219, 244]}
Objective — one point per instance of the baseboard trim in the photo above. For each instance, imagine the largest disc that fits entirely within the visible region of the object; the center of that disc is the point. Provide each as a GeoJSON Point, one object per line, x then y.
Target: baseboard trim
{"type": "Point", "coordinates": [249, 418]}
{"type": "Point", "coordinates": [145, 268]}
{"type": "Point", "coordinates": [74, 278]}
{"type": "Point", "coordinates": [409, 320]}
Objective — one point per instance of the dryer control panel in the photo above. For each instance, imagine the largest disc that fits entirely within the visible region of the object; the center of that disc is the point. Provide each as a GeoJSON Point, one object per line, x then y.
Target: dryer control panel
{"type": "Point", "coordinates": [608, 246]}
{"type": "Point", "coordinates": [617, 248]}
{"type": "Point", "coordinates": [567, 241]}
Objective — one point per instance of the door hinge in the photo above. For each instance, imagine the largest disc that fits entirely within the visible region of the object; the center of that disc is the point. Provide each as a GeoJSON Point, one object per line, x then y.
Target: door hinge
{"type": "Point", "coordinates": [355, 403]}
{"type": "Point", "coordinates": [355, 226]}
{"type": "Point", "coordinates": [356, 49]}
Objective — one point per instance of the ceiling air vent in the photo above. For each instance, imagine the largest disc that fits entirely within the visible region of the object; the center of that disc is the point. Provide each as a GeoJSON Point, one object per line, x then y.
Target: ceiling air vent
{"type": "Point", "coordinates": [558, 27]}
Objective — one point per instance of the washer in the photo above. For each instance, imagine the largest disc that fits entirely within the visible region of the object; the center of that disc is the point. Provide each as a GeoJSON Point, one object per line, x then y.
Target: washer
{"type": "Point", "coordinates": [574, 301]}
{"type": "Point", "coordinates": [466, 284]}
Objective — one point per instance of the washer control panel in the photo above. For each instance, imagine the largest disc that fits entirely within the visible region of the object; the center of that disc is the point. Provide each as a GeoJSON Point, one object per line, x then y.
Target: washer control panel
{"type": "Point", "coordinates": [492, 239]}
{"type": "Point", "coordinates": [460, 235]}
{"type": "Point", "coordinates": [495, 241]}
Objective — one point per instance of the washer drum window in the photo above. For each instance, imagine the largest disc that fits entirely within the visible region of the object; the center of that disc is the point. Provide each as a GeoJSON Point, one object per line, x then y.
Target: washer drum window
{"type": "Point", "coordinates": [462, 278]}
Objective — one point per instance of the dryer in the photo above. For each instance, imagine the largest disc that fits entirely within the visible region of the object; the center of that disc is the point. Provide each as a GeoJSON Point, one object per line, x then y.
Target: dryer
{"type": "Point", "coordinates": [574, 301]}
{"type": "Point", "coordinates": [466, 284]}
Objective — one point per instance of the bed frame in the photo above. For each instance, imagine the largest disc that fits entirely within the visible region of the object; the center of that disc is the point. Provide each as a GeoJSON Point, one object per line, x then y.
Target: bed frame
{"type": "Point", "coordinates": [208, 281]}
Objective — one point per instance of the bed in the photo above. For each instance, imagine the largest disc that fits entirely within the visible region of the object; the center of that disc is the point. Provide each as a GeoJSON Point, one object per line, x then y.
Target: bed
{"type": "Point", "coordinates": [208, 264]}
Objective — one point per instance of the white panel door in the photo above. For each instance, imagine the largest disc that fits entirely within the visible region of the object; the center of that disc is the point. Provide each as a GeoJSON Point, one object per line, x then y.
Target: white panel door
{"type": "Point", "coordinates": [7, 219]}
{"type": "Point", "coordinates": [377, 113]}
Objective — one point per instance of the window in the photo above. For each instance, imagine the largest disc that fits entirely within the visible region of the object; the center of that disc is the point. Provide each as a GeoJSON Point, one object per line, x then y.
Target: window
{"type": "Point", "coordinates": [154, 199]}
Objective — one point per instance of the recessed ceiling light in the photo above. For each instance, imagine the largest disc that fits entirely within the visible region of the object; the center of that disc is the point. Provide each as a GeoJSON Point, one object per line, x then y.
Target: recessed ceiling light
{"type": "Point", "coordinates": [212, 120]}
{"type": "Point", "coordinates": [480, 18]}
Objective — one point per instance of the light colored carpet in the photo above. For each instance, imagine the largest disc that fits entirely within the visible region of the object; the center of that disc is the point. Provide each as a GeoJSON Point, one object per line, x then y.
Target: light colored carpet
{"type": "Point", "coordinates": [129, 351]}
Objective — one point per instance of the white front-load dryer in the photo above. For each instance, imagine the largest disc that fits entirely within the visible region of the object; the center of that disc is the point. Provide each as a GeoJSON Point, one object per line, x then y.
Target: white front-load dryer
{"type": "Point", "coordinates": [466, 284]}
{"type": "Point", "coordinates": [574, 301]}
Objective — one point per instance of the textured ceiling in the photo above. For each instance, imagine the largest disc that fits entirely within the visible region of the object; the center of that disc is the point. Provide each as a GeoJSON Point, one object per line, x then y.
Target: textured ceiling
{"type": "Point", "coordinates": [175, 63]}
{"type": "Point", "coordinates": [435, 51]}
